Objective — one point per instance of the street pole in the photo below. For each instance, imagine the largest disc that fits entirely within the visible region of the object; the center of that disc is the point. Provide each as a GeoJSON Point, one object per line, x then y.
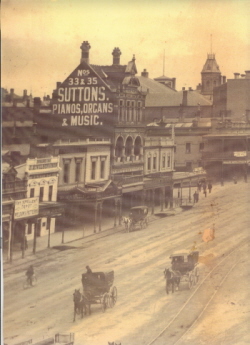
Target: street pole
{"type": "Point", "coordinates": [11, 234]}
{"type": "Point", "coordinates": [23, 245]}
{"type": "Point", "coordinates": [34, 240]}
{"type": "Point", "coordinates": [49, 233]}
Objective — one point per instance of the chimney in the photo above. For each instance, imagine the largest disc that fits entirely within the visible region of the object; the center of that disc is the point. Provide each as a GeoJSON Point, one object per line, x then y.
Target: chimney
{"type": "Point", "coordinates": [174, 83]}
{"type": "Point", "coordinates": [11, 95]}
{"type": "Point", "coordinates": [247, 74]}
{"type": "Point", "coordinates": [184, 97]}
{"type": "Point", "coordinates": [144, 73]}
{"type": "Point", "coordinates": [37, 101]}
{"type": "Point", "coordinates": [224, 79]}
{"type": "Point", "coordinates": [116, 56]}
{"type": "Point", "coordinates": [183, 88]}
{"type": "Point", "coordinates": [24, 95]}
{"type": "Point", "coordinates": [85, 47]}
{"type": "Point", "coordinates": [236, 75]}
{"type": "Point", "coordinates": [243, 76]}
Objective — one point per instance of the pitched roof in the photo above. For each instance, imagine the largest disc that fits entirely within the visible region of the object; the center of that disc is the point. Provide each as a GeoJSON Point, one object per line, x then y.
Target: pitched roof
{"type": "Point", "coordinates": [160, 96]}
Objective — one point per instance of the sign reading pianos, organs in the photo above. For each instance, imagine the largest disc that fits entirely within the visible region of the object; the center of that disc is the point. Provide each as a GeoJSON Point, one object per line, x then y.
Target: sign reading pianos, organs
{"type": "Point", "coordinates": [84, 103]}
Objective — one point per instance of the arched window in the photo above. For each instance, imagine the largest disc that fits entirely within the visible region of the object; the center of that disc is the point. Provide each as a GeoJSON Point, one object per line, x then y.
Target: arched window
{"type": "Point", "coordinates": [128, 147]}
{"type": "Point", "coordinates": [137, 148]}
{"type": "Point", "coordinates": [119, 147]}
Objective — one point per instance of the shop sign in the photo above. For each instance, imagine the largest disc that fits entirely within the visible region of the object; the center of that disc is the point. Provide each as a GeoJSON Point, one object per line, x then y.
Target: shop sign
{"type": "Point", "coordinates": [240, 154]}
{"type": "Point", "coordinates": [83, 100]}
{"type": "Point", "coordinates": [236, 162]}
{"type": "Point", "coordinates": [25, 208]}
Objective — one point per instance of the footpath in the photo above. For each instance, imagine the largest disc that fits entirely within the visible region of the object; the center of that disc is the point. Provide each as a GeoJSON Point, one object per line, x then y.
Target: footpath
{"type": "Point", "coordinates": [79, 235]}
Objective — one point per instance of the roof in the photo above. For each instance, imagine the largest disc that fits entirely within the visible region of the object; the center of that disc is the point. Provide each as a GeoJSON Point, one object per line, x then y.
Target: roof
{"type": "Point", "coordinates": [211, 65]}
{"type": "Point", "coordinates": [160, 96]}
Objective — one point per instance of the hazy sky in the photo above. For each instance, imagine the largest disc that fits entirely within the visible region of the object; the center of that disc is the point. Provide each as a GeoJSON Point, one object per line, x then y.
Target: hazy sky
{"type": "Point", "coordinates": [41, 38]}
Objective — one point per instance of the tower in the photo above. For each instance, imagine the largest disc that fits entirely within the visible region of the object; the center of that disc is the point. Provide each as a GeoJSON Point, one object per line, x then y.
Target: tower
{"type": "Point", "coordinates": [210, 76]}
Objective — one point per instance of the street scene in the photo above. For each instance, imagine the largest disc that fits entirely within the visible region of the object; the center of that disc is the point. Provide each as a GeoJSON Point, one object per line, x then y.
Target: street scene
{"type": "Point", "coordinates": [125, 173]}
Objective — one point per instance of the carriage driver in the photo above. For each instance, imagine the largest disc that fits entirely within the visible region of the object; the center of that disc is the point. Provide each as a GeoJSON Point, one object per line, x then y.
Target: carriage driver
{"type": "Point", "coordinates": [29, 273]}
{"type": "Point", "coordinates": [89, 271]}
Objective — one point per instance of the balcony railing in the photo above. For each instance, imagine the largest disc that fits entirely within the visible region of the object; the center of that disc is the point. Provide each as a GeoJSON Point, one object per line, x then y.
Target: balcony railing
{"type": "Point", "coordinates": [231, 155]}
{"type": "Point", "coordinates": [125, 180]}
{"type": "Point", "coordinates": [14, 187]}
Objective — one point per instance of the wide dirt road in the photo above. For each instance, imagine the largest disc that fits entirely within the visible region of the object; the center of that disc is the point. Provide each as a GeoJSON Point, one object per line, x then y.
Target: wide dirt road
{"type": "Point", "coordinates": [143, 309]}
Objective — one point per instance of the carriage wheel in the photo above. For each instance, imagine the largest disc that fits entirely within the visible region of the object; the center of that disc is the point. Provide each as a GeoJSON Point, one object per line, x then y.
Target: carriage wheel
{"type": "Point", "coordinates": [105, 301]}
{"type": "Point", "coordinates": [113, 296]}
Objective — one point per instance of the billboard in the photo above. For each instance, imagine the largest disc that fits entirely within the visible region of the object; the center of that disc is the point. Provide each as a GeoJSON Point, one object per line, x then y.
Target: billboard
{"type": "Point", "coordinates": [25, 208]}
{"type": "Point", "coordinates": [83, 103]}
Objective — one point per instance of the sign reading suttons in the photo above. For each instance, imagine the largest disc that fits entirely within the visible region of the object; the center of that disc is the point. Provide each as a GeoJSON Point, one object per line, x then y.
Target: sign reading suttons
{"type": "Point", "coordinates": [83, 100]}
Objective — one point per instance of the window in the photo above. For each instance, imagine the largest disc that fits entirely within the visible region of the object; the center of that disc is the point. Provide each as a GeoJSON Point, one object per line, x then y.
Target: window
{"type": "Point", "coordinates": [77, 171]}
{"type": "Point", "coordinates": [41, 194]}
{"type": "Point", "coordinates": [149, 163]}
{"type": "Point", "coordinates": [50, 193]}
{"type": "Point", "coordinates": [93, 168]}
{"type": "Point", "coordinates": [169, 161]}
{"type": "Point", "coordinates": [189, 166]}
{"type": "Point", "coordinates": [164, 162]}
{"type": "Point", "coordinates": [32, 192]}
{"type": "Point", "coordinates": [201, 146]}
{"type": "Point", "coordinates": [188, 148]}
{"type": "Point", "coordinates": [102, 171]}
{"type": "Point", "coordinates": [66, 173]}
{"type": "Point", "coordinates": [154, 163]}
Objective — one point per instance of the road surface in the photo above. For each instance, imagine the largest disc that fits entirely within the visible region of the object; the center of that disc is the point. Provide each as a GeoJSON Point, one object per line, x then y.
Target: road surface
{"type": "Point", "coordinates": [144, 314]}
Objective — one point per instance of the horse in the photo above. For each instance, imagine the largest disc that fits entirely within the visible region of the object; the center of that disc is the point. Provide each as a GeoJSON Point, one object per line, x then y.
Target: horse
{"type": "Point", "coordinates": [80, 303]}
{"type": "Point", "coordinates": [126, 221]}
{"type": "Point", "coordinates": [171, 279]}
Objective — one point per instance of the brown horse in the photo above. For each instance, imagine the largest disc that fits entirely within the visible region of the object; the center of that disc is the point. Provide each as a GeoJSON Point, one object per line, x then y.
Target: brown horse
{"type": "Point", "coordinates": [80, 303]}
{"type": "Point", "coordinates": [171, 280]}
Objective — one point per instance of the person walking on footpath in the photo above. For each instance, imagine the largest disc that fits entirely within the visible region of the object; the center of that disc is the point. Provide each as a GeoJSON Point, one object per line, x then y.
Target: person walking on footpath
{"type": "Point", "coordinates": [195, 197]}
{"type": "Point", "coordinates": [205, 192]}
{"type": "Point", "coordinates": [210, 187]}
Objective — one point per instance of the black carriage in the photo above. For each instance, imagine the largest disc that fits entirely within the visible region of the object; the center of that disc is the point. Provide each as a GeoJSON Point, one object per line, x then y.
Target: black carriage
{"type": "Point", "coordinates": [138, 217]}
{"type": "Point", "coordinates": [98, 288]}
{"type": "Point", "coordinates": [184, 264]}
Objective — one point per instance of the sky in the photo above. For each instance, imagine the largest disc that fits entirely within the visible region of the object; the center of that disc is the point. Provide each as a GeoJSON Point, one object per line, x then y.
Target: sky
{"type": "Point", "coordinates": [41, 38]}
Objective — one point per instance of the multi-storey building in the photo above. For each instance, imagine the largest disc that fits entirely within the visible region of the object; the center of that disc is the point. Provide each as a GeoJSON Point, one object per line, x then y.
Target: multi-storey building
{"type": "Point", "coordinates": [231, 100]}
{"type": "Point", "coordinates": [41, 175]}
{"type": "Point", "coordinates": [227, 149]}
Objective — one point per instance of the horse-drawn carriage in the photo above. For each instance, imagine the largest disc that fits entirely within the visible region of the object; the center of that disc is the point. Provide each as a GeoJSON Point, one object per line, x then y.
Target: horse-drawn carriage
{"type": "Point", "coordinates": [184, 269]}
{"type": "Point", "coordinates": [98, 288]}
{"type": "Point", "coordinates": [138, 216]}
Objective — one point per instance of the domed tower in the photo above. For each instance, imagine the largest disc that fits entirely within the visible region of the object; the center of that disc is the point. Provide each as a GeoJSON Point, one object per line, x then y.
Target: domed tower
{"type": "Point", "coordinates": [210, 76]}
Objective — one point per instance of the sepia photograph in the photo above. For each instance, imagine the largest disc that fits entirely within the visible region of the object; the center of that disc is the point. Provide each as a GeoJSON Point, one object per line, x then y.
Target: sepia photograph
{"type": "Point", "coordinates": [125, 194]}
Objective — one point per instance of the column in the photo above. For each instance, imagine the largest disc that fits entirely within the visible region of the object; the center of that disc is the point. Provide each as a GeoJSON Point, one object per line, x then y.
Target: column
{"type": "Point", "coordinates": [23, 242]}
{"type": "Point", "coordinates": [49, 231]}
{"type": "Point", "coordinates": [189, 192]}
{"type": "Point", "coordinates": [171, 197]}
{"type": "Point", "coordinates": [115, 213]}
{"type": "Point", "coordinates": [34, 240]}
{"type": "Point", "coordinates": [95, 220]}
{"type": "Point", "coordinates": [166, 198]}
{"type": "Point", "coordinates": [120, 211]}
{"type": "Point", "coordinates": [162, 198]}
{"type": "Point", "coordinates": [100, 216]}
{"type": "Point", "coordinates": [153, 201]}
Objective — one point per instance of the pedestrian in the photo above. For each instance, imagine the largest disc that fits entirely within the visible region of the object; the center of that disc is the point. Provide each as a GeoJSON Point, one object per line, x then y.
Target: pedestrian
{"type": "Point", "coordinates": [210, 187]}
{"type": "Point", "coordinates": [195, 197]}
{"type": "Point", "coordinates": [205, 192]}
{"type": "Point", "coordinates": [204, 186]}
{"type": "Point", "coordinates": [25, 243]}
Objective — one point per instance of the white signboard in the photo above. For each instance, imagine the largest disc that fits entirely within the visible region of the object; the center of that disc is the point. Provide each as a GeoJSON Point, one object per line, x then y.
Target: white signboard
{"type": "Point", "coordinates": [240, 154]}
{"type": "Point", "coordinates": [26, 208]}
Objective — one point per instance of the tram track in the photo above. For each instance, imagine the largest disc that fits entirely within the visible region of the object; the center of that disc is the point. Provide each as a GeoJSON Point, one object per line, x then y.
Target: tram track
{"type": "Point", "coordinates": [179, 326]}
